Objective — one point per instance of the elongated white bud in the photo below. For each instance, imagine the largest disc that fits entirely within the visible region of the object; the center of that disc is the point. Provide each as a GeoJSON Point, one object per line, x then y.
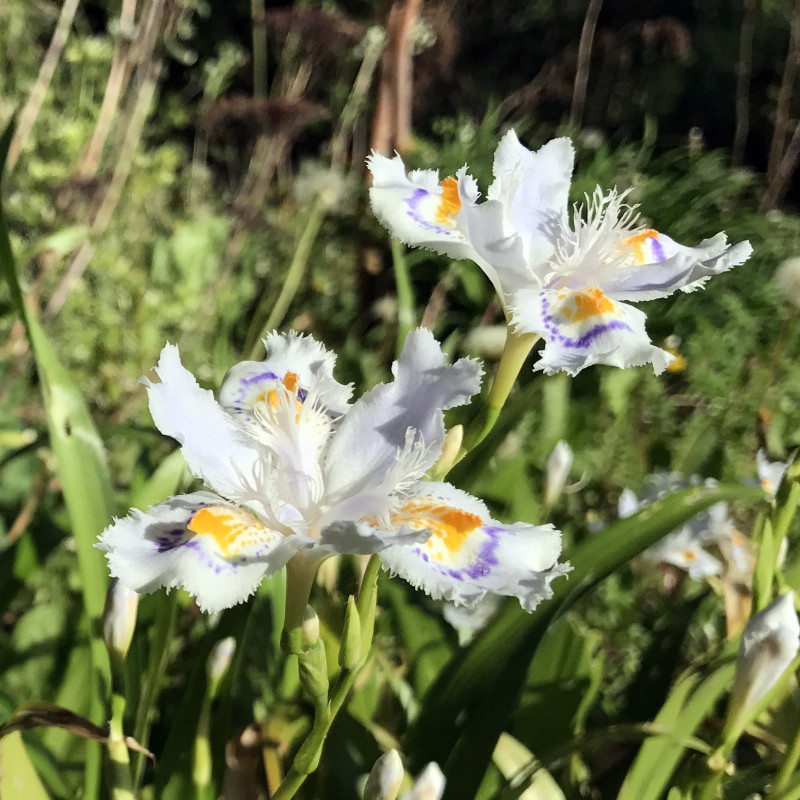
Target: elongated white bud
{"type": "Point", "coordinates": [429, 784]}
{"type": "Point", "coordinates": [119, 618]}
{"type": "Point", "coordinates": [559, 464]}
{"type": "Point", "coordinates": [385, 778]}
{"type": "Point", "coordinates": [219, 661]}
{"type": "Point", "coordinates": [770, 643]}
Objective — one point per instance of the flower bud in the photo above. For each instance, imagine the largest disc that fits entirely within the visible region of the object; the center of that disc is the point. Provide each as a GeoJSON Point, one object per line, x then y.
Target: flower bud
{"type": "Point", "coordinates": [559, 464]}
{"type": "Point", "coordinates": [770, 642]}
{"type": "Point", "coordinates": [350, 647]}
{"type": "Point", "coordinates": [310, 628]}
{"type": "Point", "coordinates": [119, 619]}
{"type": "Point", "coordinates": [218, 662]}
{"type": "Point", "coordinates": [429, 784]}
{"type": "Point", "coordinates": [450, 451]}
{"type": "Point", "coordinates": [385, 778]}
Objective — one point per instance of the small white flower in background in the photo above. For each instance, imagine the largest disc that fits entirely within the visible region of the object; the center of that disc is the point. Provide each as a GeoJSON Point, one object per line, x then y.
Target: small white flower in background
{"type": "Point", "coordinates": [386, 777]}
{"type": "Point", "coordinates": [684, 547]}
{"type": "Point", "coordinates": [297, 470]}
{"type": "Point", "coordinates": [770, 642]}
{"type": "Point", "coordinates": [559, 463]}
{"type": "Point", "coordinates": [486, 341]}
{"type": "Point", "coordinates": [567, 280]}
{"type": "Point", "coordinates": [429, 784]}
{"type": "Point", "coordinates": [770, 473]}
{"type": "Point", "coordinates": [787, 279]}
{"type": "Point", "coordinates": [119, 618]}
{"type": "Point", "coordinates": [219, 661]}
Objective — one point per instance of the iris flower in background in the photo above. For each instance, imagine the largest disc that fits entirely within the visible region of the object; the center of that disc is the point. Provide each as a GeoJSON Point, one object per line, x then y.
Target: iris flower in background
{"type": "Point", "coordinates": [770, 473]}
{"type": "Point", "coordinates": [685, 547]}
{"type": "Point", "coordinates": [298, 471]}
{"type": "Point", "coordinates": [567, 279]}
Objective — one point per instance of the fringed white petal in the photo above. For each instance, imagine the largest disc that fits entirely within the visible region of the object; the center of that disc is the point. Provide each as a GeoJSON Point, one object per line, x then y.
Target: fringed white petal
{"type": "Point", "coordinates": [398, 423]}
{"type": "Point", "coordinates": [289, 403]}
{"type": "Point", "coordinates": [469, 555]}
{"type": "Point", "coordinates": [215, 551]}
{"type": "Point", "coordinates": [418, 209]}
{"type": "Point", "coordinates": [662, 266]}
{"type": "Point", "coordinates": [215, 447]}
{"type": "Point", "coordinates": [287, 353]}
{"type": "Point", "coordinates": [533, 188]}
{"type": "Point", "coordinates": [584, 328]}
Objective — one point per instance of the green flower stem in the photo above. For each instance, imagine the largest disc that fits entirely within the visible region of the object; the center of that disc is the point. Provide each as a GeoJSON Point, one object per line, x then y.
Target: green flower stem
{"type": "Point", "coordinates": [121, 784]}
{"type": "Point", "coordinates": [291, 283]}
{"type": "Point", "coordinates": [736, 723]}
{"type": "Point", "coordinates": [406, 318]}
{"type": "Point", "coordinates": [325, 710]}
{"type": "Point", "coordinates": [300, 574]}
{"type": "Point", "coordinates": [159, 659]}
{"type": "Point", "coordinates": [784, 778]}
{"type": "Point", "coordinates": [201, 768]}
{"type": "Point", "coordinates": [515, 351]}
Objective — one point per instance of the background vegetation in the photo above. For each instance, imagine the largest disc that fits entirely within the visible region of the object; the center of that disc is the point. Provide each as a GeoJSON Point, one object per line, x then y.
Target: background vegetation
{"type": "Point", "coordinates": [194, 172]}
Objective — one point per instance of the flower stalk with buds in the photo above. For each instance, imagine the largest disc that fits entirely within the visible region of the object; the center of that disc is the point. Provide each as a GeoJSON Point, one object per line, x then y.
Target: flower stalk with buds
{"type": "Point", "coordinates": [119, 622]}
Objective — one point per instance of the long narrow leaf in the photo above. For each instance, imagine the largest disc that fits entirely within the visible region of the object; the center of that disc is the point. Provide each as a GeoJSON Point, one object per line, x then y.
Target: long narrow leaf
{"type": "Point", "coordinates": [81, 468]}
{"type": "Point", "coordinates": [659, 756]}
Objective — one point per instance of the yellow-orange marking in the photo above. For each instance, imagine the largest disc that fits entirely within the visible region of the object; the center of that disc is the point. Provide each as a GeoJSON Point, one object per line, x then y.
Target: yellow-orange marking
{"type": "Point", "coordinates": [449, 204]}
{"type": "Point", "coordinates": [636, 242]}
{"type": "Point", "coordinates": [290, 381]}
{"type": "Point", "coordinates": [273, 400]}
{"type": "Point", "coordinates": [588, 303]}
{"type": "Point", "coordinates": [689, 555]}
{"type": "Point", "coordinates": [218, 523]}
{"type": "Point", "coordinates": [449, 526]}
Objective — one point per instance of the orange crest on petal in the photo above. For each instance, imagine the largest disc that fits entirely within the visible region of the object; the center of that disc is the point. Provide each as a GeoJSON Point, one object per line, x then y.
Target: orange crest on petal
{"type": "Point", "coordinates": [450, 202]}
{"type": "Point", "coordinates": [230, 529]}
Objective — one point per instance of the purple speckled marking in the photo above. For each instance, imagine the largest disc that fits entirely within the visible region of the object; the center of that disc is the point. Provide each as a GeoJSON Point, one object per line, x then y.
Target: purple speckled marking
{"type": "Point", "coordinates": [584, 341]}
{"type": "Point", "coordinates": [483, 563]}
{"type": "Point", "coordinates": [171, 539]}
{"type": "Point", "coordinates": [486, 557]}
{"type": "Point", "coordinates": [246, 383]}
{"type": "Point", "coordinates": [413, 204]}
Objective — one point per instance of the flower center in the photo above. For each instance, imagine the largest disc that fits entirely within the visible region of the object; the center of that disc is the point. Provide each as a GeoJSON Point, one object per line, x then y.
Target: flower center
{"type": "Point", "coordinates": [603, 236]}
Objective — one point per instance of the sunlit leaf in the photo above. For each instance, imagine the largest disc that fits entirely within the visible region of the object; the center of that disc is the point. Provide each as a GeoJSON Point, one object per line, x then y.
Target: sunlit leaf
{"type": "Point", "coordinates": [18, 777]}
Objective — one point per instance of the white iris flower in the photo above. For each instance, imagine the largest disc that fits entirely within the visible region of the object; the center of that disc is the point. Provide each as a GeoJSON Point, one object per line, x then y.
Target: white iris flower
{"type": "Point", "coordinates": [564, 278]}
{"type": "Point", "coordinates": [685, 547]}
{"type": "Point", "coordinates": [296, 469]}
